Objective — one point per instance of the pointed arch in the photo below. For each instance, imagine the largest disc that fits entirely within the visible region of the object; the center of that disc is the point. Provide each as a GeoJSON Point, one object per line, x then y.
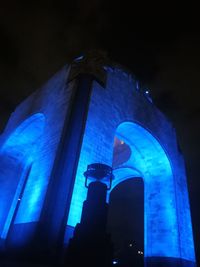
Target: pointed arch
{"type": "Point", "coordinates": [149, 160]}
{"type": "Point", "coordinates": [16, 156]}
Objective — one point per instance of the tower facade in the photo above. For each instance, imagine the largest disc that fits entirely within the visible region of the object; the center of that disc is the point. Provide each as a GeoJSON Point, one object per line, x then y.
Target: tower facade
{"type": "Point", "coordinates": [69, 123]}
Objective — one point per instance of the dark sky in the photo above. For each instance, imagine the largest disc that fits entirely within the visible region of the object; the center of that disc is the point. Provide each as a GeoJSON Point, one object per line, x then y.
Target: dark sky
{"type": "Point", "coordinates": [160, 44]}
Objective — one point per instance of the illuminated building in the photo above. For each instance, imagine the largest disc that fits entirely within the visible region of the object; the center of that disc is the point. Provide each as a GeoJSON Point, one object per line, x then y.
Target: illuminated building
{"type": "Point", "coordinates": [71, 122]}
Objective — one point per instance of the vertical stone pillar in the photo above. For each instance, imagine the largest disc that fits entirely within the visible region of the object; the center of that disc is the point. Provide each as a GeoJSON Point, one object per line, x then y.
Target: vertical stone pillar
{"type": "Point", "coordinates": [56, 207]}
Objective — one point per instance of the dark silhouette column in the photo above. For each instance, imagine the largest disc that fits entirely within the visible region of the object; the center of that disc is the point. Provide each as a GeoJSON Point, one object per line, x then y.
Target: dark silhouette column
{"type": "Point", "coordinates": [91, 244]}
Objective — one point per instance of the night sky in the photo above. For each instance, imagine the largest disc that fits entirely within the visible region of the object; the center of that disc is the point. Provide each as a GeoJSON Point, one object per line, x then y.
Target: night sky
{"type": "Point", "coordinates": [160, 44]}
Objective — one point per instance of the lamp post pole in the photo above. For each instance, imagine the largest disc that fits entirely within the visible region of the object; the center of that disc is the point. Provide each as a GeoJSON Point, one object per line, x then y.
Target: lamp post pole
{"type": "Point", "coordinates": [91, 244]}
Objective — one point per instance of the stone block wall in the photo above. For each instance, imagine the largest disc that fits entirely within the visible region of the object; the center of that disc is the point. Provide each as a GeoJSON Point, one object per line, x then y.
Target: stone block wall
{"type": "Point", "coordinates": [35, 135]}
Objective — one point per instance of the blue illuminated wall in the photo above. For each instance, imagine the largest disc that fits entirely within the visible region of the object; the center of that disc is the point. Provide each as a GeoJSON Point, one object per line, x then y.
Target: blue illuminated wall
{"type": "Point", "coordinates": [152, 164]}
{"type": "Point", "coordinates": [18, 154]}
{"type": "Point", "coordinates": [28, 146]}
{"type": "Point", "coordinates": [124, 111]}
{"type": "Point", "coordinates": [33, 138]}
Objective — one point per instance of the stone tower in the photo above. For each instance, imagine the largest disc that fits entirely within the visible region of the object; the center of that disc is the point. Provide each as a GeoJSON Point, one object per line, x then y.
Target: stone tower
{"type": "Point", "coordinates": [73, 121]}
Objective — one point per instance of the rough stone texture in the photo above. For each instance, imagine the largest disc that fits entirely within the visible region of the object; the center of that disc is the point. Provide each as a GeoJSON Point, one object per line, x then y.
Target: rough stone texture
{"type": "Point", "coordinates": [119, 110]}
{"type": "Point", "coordinates": [167, 213]}
{"type": "Point", "coordinates": [51, 101]}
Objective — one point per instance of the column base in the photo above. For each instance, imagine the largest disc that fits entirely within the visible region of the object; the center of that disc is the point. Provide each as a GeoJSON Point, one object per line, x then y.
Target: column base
{"type": "Point", "coordinates": [168, 262]}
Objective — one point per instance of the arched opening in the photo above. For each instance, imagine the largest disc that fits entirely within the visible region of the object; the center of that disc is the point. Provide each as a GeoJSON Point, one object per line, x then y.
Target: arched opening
{"type": "Point", "coordinates": [16, 157]}
{"type": "Point", "coordinates": [126, 222]}
{"type": "Point", "coordinates": [149, 161]}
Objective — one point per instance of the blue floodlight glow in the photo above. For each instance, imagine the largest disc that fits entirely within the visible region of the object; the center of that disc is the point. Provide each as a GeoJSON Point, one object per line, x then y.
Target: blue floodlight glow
{"type": "Point", "coordinates": [24, 177]}
{"type": "Point", "coordinates": [137, 85]}
{"type": "Point", "coordinates": [17, 154]}
{"type": "Point", "coordinates": [149, 159]}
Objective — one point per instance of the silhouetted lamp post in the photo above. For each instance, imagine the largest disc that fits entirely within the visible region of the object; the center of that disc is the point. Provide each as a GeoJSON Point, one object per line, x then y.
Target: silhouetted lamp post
{"type": "Point", "coordinates": [99, 172]}
{"type": "Point", "coordinates": [91, 245]}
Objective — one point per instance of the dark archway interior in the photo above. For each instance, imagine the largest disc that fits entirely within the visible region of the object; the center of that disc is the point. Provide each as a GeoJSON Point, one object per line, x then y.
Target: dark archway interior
{"type": "Point", "coordinates": [126, 222]}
